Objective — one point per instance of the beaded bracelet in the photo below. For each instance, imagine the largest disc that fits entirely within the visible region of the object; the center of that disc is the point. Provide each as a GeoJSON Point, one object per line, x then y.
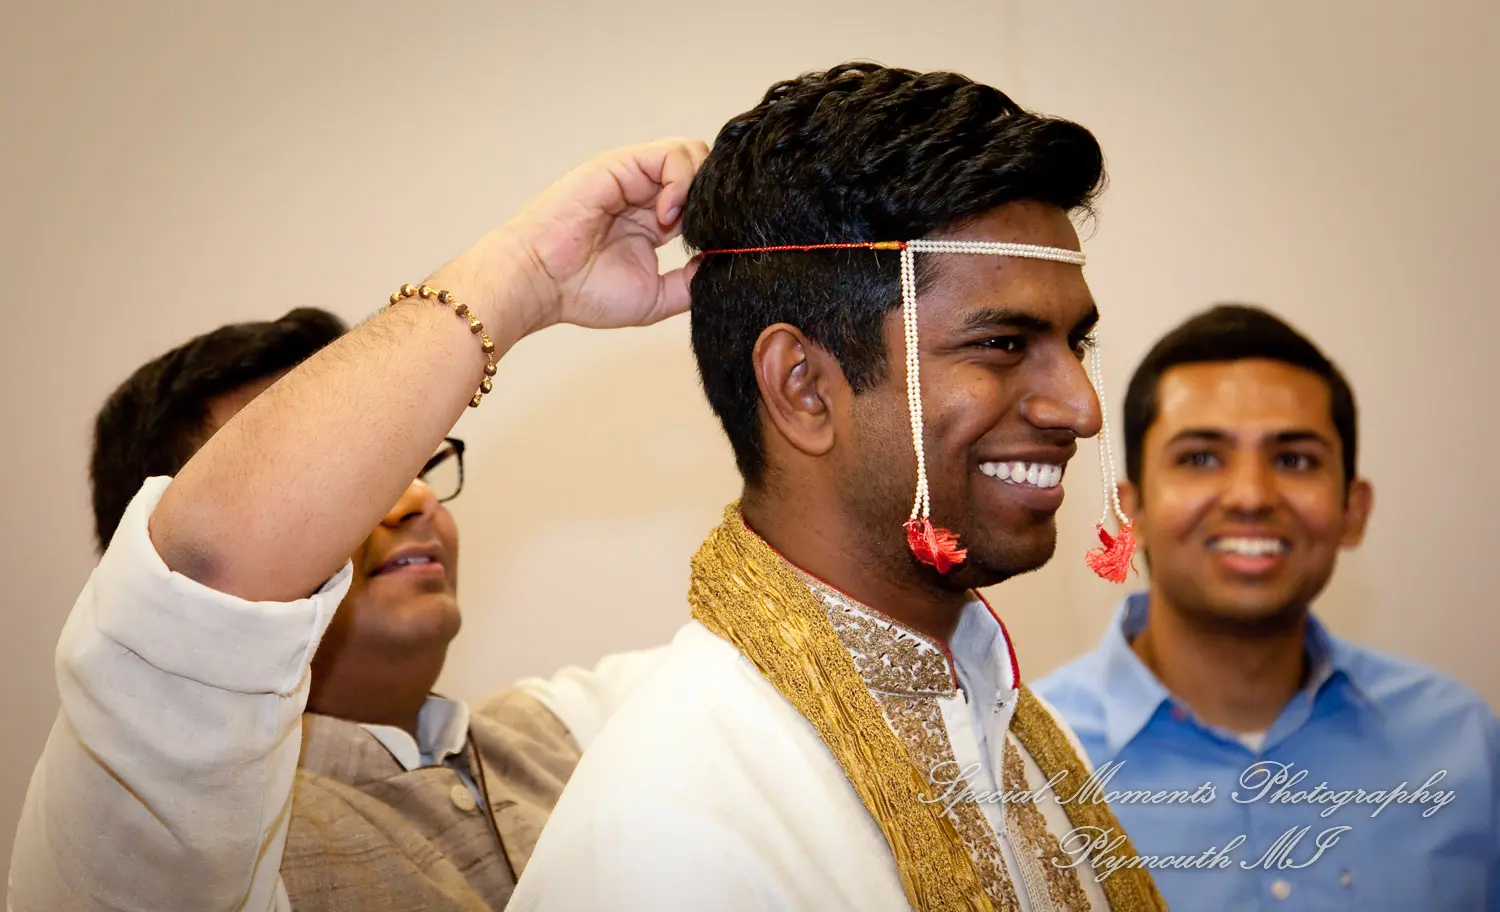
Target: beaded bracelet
{"type": "Point", "coordinates": [475, 327]}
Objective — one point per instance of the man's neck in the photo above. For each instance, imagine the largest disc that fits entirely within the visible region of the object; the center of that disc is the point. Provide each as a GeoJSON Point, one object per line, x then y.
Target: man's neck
{"type": "Point", "coordinates": [818, 543]}
{"type": "Point", "coordinates": [372, 693]}
{"type": "Point", "coordinates": [1230, 679]}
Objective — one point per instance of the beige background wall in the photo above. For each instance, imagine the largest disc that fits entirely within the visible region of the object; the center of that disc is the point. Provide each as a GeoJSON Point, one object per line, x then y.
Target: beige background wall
{"type": "Point", "coordinates": [168, 167]}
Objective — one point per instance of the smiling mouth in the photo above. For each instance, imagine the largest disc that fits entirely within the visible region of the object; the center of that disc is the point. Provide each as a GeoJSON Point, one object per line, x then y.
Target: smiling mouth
{"type": "Point", "coordinates": [1249, 546]}
{"type": "Point", "coordinates": [410, 560]}
{"type": "Point", "coordinates": [1026, 474]}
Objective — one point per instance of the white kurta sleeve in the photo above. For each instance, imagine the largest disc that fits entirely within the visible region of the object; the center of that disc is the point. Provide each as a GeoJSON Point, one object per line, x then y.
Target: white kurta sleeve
{"type": "Point", "coordinates": [584, 698]}
{"type": "Point", "coordinates": [166, 782]}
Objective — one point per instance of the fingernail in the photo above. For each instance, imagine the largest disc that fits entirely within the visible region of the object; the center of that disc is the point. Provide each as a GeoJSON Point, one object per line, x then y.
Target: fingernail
{"type": "Point", "coordinates": [673, 213]}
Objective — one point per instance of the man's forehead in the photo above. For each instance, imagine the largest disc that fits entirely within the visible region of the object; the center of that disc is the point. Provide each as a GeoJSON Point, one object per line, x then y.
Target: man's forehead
{"type": "Point", "coordinates": [1020, 222]}
{"type": "Point", "coordinates": [978, 290]}
{"type": "Point", "coordinates": [1249, 396]}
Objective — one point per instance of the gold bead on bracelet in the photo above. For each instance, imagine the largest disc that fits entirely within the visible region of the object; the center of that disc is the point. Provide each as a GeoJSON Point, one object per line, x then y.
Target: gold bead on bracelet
{"type": "Point", "coordinates": [486, 344]}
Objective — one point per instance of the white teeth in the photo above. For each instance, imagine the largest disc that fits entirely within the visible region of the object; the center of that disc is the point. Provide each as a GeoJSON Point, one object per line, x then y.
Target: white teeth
{"type": "Point", "coordinates": [1248, 547]}
{"type": "Point", "coordinates": [415, 559]}
{"type": "Point", "coordinates": [1036, 474]}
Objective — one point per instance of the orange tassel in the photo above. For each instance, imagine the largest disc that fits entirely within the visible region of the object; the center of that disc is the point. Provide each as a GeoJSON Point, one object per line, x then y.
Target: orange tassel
{"type": "Point", "coordinates": [933, 546]}
{"type": "Point", "coordinates": [1115, 556]}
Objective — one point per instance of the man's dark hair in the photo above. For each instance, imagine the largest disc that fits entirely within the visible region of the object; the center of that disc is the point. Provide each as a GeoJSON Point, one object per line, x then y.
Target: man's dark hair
{"type": "Point", "coordinates": [860, 152]}
{"type": "Point", "coordinates": [154, 422]}
{"type": "Point", "coordinates": [1232, 332]}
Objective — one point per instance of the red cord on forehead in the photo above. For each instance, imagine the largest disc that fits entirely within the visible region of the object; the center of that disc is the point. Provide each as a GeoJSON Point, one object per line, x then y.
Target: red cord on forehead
{"type": "Point", "coordinates": [856, 245]}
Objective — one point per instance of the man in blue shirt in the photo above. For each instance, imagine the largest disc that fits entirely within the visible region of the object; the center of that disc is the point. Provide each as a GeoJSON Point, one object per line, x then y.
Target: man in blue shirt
{"type": "Point", "coordinates": [1257, 761]}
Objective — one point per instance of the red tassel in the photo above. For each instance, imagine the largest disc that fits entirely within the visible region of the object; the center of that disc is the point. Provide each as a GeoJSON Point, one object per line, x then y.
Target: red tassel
{"type": "Point", "coordinates": [933, 546]}
{"type": "Point", "coordinates": [1115, 555]}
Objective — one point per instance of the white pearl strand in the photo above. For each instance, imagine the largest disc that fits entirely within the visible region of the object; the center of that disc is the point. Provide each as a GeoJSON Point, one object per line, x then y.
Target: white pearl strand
{"type": "Point", "coordinates": [1106, 446]}
{"type": "Point", "coordinates": [999, 248]}
{"type": "Point", "coordinates": [922, 507]}
{"type": "Point", "coordinates": [1112, 492]}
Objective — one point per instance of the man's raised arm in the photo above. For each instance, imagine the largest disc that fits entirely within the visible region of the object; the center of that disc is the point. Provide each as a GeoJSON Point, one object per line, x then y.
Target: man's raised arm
{"type": "Point", "coordinates": [279, 498]}
{"type": "Point", "coordinates": [184, 666]}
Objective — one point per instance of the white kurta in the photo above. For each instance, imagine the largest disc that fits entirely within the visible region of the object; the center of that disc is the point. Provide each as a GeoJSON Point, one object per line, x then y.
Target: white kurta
{"type": "Point", "coordinates": [708, 790]}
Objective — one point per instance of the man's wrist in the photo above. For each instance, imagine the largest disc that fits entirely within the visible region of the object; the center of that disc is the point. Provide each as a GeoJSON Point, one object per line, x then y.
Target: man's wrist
{"type": "Point", "coordinates": [504, 285]}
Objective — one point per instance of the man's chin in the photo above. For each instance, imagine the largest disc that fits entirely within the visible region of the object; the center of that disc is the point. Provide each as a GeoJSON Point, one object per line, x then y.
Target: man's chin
{"type": "Point", "coordinates": [993, 561]}
{"type": "Point", "coordinates": [424, 617]}
{"type": "Point", "coordinates": [1248, 614]}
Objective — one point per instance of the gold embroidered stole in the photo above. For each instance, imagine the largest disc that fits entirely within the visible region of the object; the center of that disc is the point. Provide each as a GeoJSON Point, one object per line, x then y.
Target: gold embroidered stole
{"type": "Point", "coordinates": [746, 594]}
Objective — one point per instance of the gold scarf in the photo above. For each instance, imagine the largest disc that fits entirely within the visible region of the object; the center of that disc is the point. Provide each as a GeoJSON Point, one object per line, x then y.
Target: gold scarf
{"type": "Point", "coordinates": [745, 593]}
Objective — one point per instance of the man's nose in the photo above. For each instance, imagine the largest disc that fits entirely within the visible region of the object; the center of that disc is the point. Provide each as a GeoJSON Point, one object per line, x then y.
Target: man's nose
{"type": "Point", "coordinates": [417, 501]}
{"type": "Point", "coordinates": [1064, 399]}
{"type": "Point", "coordinates": [1250, 487]}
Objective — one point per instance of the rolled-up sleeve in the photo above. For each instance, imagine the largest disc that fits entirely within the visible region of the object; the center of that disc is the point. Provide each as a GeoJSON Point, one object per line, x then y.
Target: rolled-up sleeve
{"type": "Point", "coordinates": [166, 781]}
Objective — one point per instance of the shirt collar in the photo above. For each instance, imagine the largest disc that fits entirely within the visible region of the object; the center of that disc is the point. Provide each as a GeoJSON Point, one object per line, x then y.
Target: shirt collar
{"type": "Point", "coordinates": [1332, 662]}
{"type": "Point", "coordinates": [1132, 695]}
{"type": "Point", "coordinates": [984, 654]}
{"type": "Point", "coordinates": [1318, 646]}
{"type": "Point", "coordinates": [442, 732]}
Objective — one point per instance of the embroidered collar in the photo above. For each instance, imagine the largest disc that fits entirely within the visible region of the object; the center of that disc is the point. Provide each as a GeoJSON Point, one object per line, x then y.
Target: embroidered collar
{"type": "Point", "coordinates": [892, 658]}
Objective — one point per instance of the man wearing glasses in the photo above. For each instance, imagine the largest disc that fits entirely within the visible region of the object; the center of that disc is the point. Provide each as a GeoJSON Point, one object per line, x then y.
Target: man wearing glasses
{"type": "Point", "coordinates": [401, 799]}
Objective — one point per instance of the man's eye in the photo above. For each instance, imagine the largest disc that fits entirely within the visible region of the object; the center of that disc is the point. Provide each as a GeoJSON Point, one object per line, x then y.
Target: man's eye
{"type": "Point", "coordinates": [1081, 347]}
{"type": "Point", "coordinates": [1199, 460]}
{"type": "Point", "coordinates": [1299, 462]}
{"type": "Point", "coordinates": [1009, 344]}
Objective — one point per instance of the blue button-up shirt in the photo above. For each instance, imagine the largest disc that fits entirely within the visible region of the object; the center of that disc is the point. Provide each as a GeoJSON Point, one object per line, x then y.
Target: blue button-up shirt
{"type": "Point", "coordinates": [1378, 786]}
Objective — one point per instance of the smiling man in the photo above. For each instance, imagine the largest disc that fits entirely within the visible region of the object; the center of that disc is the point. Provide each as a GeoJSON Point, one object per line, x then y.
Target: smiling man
{"type": "Point", "coordinates": [840, 671]}
{"type": "Point", "coordinates": [1322, 775]}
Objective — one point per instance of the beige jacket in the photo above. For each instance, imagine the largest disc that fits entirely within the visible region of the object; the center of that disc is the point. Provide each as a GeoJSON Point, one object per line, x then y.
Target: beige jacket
{"type": "Point", "coordinates": [367, 834]}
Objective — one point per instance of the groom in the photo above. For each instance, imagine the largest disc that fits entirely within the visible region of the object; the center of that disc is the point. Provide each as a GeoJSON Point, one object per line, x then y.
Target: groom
{"type": "Point", "coordinates": [839, 659]}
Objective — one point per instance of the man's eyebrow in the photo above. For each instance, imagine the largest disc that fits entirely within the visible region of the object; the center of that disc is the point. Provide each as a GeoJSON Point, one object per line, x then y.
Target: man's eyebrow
{"type": "Point", "coordinates": [1199, 434]}
{"type": "Point", "coordinates": [990, 318]}
{"type": "Point", "coordinates": [993, 318]}
{"type": "Point", "coordinates": [1086, 325]}
{"type": "Point", "coordinates": [1301, 435]}
{"type": "Point", "coordinates": [1214, 435]}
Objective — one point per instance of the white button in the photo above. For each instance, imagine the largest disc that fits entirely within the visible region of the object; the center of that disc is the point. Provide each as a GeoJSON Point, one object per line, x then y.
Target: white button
{"type": "Point", "coordinates": [1281, 889]}
{"type": "Point", "coordinates": [1346, 879]}
{"type": "Point", "coordinates": [463, 799]}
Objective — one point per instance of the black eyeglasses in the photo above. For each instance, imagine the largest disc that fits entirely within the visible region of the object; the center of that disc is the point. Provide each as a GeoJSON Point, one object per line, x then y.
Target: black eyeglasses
{"type": "Point", "coordinates": [444, 472]}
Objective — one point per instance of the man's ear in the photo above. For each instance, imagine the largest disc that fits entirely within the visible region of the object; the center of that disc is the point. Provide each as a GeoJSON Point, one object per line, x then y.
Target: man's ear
{"type": "Point", "coordinates": [797, 381]}
{"type": "Point", "coordinates": [1130, 500]}
{"type": "Point", "coordinates": [1134, 507]}
{"type": "Point", "coordinates": [1357, 507]}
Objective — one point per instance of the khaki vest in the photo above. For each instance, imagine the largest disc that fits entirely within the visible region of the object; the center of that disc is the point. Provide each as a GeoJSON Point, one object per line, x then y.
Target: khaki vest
{"type": "Point", "coordinates": [368, 835]}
